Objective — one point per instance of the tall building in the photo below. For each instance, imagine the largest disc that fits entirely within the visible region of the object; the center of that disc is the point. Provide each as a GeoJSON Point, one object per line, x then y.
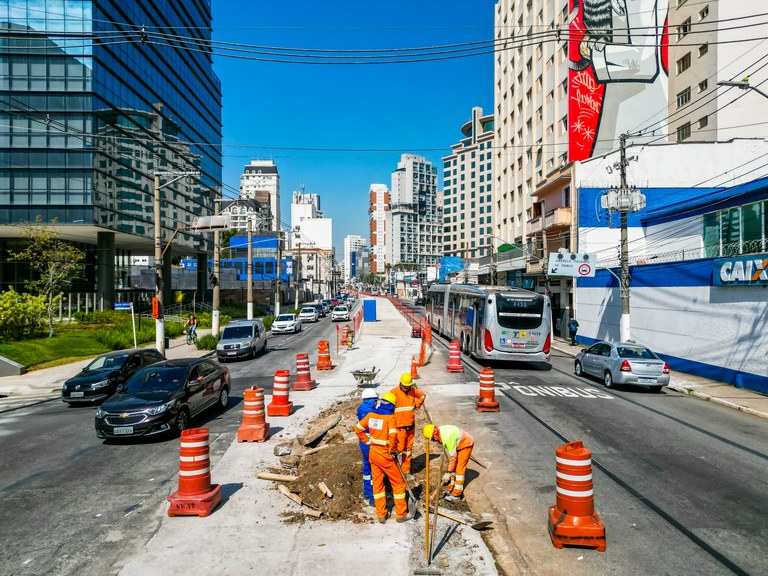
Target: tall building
{"type": "Point", "coordinates": [378, 208]}
{"type": "Point", "coordinates": [351, 245]}
{"type": "Point", "coordinates": [467, 190]}
{"type": "Point", "coordinates": [86, 124]}
{"type": "Point", "coordinates": [415, 233]}
{"type": "Point", "coordinates": [261, 182]}
{"type": "Point", "coordinates": [311, 243]}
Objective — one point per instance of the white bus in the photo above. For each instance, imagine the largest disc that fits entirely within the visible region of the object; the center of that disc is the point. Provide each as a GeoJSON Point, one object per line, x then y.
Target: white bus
{"type": "Point", "coordinates": [492, 322]}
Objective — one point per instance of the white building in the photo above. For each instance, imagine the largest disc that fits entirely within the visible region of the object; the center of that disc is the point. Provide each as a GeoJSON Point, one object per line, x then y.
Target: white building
{"type": "Point", "coordinates": [311, 242]}
{"type": "Point", "coordinates": [378, 209]}
{"type": "Point", "coordinates": [261, 182]}
{"type": "Point", "coordinates": [351, 245]}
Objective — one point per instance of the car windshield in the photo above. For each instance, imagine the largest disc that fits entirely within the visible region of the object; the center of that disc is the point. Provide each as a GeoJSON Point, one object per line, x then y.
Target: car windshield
{"type": "Point", "coordinates": [519, 313]}
{"type": "Point", "coordinates": [153, 379]}
{"type": "Point", "coordinates": [236, 332]}
{"type": "Point", "coordinates": [107, 362]}
{"type": "Point", "coordinates": [341, 308]}
{"type": "Point", "coordinates": [635, 353]}
{"type": "Point", "coordinates": [285, 318]}
{"type": "Point", "coordinates": [307, 310]}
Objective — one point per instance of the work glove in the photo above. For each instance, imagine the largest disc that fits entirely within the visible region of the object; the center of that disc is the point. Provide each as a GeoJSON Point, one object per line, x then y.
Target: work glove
{"type": "Point", "coordinates": [447, 478]}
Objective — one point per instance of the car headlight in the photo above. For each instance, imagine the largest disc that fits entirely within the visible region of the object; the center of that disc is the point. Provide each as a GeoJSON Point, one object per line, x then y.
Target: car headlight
{"type": "Point", "coordinates": [219, 346]}
{"type": "Point", "coordinates": [160, 409]}
{"type": "Point", "coordinates": [100, 384]}
{"type": "Point", "coordinates": [100, 413]}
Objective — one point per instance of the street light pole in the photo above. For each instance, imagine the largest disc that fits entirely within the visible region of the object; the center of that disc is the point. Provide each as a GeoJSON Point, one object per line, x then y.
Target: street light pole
{"type": "Point", "coordinates": [249, 270]}
{"type": "Point", "coordinates": [744, 85]}
{"type": "Point", "coordinates": [215, 313]}
{"type": "Point", "coordinates": [298, 276]}
{"type": "Point", "coordinates": [277, 280]}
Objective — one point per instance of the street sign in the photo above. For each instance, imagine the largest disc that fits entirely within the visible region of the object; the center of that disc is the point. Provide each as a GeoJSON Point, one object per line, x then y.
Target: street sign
{"type": "Point", "coordinates": [573, 265]}
{"type": "Point", "coordinates": [122, 305]}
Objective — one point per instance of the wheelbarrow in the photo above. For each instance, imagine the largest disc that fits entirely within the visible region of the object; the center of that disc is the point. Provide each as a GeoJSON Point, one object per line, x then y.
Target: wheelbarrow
{"type": "Point", "coordinates": [365, 377]}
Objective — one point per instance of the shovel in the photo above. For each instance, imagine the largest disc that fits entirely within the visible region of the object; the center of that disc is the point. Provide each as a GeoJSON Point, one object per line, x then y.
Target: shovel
{"type": "Point", "coordinates": [411, 498]}
{"type": "Point", "coordinates": [476, 526]}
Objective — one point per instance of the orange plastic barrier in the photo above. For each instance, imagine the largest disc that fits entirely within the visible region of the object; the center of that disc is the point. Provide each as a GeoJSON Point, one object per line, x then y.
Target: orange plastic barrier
{"type": "Point", "coordinates": [304, 379]}
{"type": "Point", "coordinates": [280, 405]}
{"type": "Point", "coordinates": [454, 358]}
{"type": "Point", "coordinates": [414, 371]}
{"type": "Point", "coordinates": [254, 427]}
{"type": "Point", "coordinates": [324, 355]}
{"type": "Point", "coordinates": [486, 402]}
{"type": "Point", "coordinates": [195, 496]}
{"type": "Point", "coordinates": [573, 520]}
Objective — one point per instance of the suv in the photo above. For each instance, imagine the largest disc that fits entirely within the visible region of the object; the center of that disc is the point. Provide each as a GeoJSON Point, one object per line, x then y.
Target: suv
{"type": "Point", "coordinates": [105, 374]}
{"type": "Point", "coordinates": [309, 314]}
{"type": "Point", "coordinates": [340, 313]}
{"type": "Point", "coordinates": [242, 338]}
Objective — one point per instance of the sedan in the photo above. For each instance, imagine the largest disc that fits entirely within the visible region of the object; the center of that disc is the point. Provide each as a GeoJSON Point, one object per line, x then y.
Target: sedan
{"type": "Point", "coordinates": [163, 398]}
{"type": "Point", "coordinates": [321, 311]}
{"type": "Point", "coordinates": [623, 363]}
{"type": "Point", "coordinates": [309, 314]}
{"type": "Point", "coordinates": [289, 323]}
{"type": "Point", "coordinates": [340, 313]}
{"type": "Point", "coordinates": [420, 301]}
{"type": "Point", "coordinates": [101, 378]}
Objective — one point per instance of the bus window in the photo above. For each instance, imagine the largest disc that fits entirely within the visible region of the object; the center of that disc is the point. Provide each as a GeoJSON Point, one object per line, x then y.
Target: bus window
{"type": "Point", "coordinates": [519, 313]}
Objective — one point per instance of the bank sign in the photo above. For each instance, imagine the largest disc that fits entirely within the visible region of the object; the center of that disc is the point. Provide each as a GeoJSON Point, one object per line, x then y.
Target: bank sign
{"type": "Point", "coordinates": [743, 271]}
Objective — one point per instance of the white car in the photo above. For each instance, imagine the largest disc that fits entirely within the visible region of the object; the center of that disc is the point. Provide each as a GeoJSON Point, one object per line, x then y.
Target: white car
{"type": "Point", "coordinates": [309, 314]}
{"type": "Point", "coordinates": [286, 323]}
{"type": "Point", "coordinates": [340, 313]}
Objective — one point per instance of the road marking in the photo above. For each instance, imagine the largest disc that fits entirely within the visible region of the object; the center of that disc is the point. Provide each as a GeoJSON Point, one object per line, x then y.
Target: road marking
{"type": "Point", "coordinates": [561, 391]}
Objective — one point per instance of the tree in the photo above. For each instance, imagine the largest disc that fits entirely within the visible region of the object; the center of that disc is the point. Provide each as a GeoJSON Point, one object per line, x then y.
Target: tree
{"type": "Point", "coordinates": [51, 258]}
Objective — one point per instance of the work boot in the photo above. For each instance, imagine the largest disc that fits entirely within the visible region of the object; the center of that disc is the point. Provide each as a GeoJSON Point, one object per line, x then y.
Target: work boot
{"type": "Point", "coordinates": [383, 520]}
{"type": "Point", "coordinates": [403, 519]}
{"type": "Point", "coordinates": [452, 498]}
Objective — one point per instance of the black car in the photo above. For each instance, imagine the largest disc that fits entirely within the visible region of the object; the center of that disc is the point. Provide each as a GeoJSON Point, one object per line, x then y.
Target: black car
{"type": "Point", "coordinates": [162, 398]}
{"type": "Point", "coordinates": [101, 378]}
{"type": "Point", "coordinates": [420, 301]}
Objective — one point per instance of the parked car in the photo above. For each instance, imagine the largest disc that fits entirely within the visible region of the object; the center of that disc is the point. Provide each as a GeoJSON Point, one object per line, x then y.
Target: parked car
{"type": "Point", "coordinates": [340, 313]}
{"type": "Point", "coordinates": [321, 313]}
{"type": "Point", "coordinates": [623, 363]}
{"type": "Point", "coordinates": [327, 305]}
{"type": "Point", "coordinates": [101, 378]}
{"type": "Point", "coordinates": [242, 339]}
{"type": "Point", "coordinates": [309, 314]}
{"type": "Point", "coordinates": [420, 301]}
{"type": "Point", "coordinates": [163, 398]}
{"type": "Point", "coordinates": [286, 323]}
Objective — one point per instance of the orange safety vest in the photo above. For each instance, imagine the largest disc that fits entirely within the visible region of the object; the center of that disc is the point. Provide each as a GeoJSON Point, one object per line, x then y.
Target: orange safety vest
{"type": "Point", "coordinates": [406, 404]}
{"type": "Point", "coordinates": [382, 434]}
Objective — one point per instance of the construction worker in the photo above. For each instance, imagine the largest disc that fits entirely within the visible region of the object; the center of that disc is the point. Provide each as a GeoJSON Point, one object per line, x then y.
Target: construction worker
{"type": "Point", "coordinates": [382, 439]}
{"type": "Point", "coordinates": [458, 444]}
{"type": "Point", "coordinates": [409, 398]}
{"type": "Point", "coordinates": [368, 405]}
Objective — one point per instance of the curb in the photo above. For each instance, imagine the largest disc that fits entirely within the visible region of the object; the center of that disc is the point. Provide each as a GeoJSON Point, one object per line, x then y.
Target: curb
{"type": "Point", "coordinates": [716, 400]}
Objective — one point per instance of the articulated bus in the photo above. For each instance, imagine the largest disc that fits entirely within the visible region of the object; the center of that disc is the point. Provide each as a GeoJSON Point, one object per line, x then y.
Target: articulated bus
{"type": "Point", "coordinates": [492, 322]}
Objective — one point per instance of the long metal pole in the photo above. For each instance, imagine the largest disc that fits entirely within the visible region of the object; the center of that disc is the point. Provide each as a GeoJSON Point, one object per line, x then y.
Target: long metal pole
{"type": "Point", "coordinates": [277, 281]}
{"type": "Point", "coordinates": [625, 316]}
{"type": "Point", "coordinates": [298, 276]}
{"type": "Point", "coordinates": [159, 322]}
{"type": "Point", "coordinates": [249, 270]}
{"type": "Point", "coordinates": [217, 275]}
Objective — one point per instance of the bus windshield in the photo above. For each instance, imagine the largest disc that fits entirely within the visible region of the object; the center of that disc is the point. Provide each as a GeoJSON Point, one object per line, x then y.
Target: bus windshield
{"type": "Point", "coordinates": [519, 313]}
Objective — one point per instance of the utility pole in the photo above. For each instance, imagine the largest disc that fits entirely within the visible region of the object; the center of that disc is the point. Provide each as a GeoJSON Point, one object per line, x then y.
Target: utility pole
{"type": "Point", "coordinates": [277, 280]}
{"type": "Point", "coordinates": [298, 275]}
{"type": "Point", "coordinates": [249, 271]}
{"type": "Point", "coordinates": [625, 317]}
{"type": "Point", "coordinates": [216, 275]}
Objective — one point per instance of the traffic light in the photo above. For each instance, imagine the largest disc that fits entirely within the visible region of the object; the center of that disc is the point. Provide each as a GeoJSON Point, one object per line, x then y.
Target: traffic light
{"type": "Point", "coordinates": [157, 308]}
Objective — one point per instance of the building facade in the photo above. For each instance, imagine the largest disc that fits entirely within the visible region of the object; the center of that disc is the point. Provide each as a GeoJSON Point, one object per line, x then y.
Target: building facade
{"type": "Point", "coordinates": [378, 208]}
{"type": "Point", "coordinates": [260, 181]}
{"type": "Point", "coordinates": [351, 245]}
{"type": "Point", "coordinates": [241, 211]}
{"type": "Point", "coordinates": [311, 243]}
{"type": "Point", "coordinates": [86, 125]}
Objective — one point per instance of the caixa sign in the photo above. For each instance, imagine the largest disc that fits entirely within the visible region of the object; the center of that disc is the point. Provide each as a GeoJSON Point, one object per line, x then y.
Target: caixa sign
{"type": "Point", "coordinates": [743, 271]}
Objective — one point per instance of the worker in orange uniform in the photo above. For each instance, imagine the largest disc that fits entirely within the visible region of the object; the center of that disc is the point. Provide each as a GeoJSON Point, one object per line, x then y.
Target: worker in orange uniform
{"type": "Point", "coordinates": [382, 439]}
{"type": "Point", "coordinates": [409, 398]}
{"type": "Point", "coordinates": [458, 444]}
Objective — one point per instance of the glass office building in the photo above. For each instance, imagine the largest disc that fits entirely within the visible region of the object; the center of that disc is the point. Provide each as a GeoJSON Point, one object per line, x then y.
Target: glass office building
{"type": "Point", "coordinates": [96, 97]}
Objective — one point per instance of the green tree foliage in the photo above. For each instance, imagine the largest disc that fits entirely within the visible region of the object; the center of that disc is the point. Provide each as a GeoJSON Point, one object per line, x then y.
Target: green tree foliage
{"type": "Point", "coordinates": [52, 259]}
{"type": "Point", "coordinates": [21, 314]}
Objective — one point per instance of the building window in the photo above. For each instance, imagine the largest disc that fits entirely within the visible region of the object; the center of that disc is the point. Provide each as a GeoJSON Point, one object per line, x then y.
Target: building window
{"type": "Point", "coordinates": [704, 12]}
{"type": "Point", "coordinates": [703, 121]}
{"type": "Point", "coordinates": [703, 85]}
{"type": "Point", "coordinates": [684, 29]}
{"type": "Point", "coordinates": [684, 63]}
{"type": "Point", "coordinates": [684, 132]}
{"type": "Point", "coordinates": [703, 49]}
{"type": "Point", "coordinates": [683, 97]}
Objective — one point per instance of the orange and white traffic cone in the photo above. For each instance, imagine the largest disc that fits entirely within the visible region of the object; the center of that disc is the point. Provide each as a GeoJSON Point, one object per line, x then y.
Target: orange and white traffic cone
{"type": "Point", "coordinates": [304, 380]}
{"type": "Point", "coordinates": [254, 427]}
{"type": "Point", "coordinates": [324, 355]}
{"type": "Point", "coordinates": [414, 371]}
{"type": "Point", "coordinates": [281, 404]}
{"type": "Point", "coordinates": [454, 358]}
{"type": "Point", "coordinates": [195, 496]}
{"type": "Point", "coordinates": [573, 520]}
{"type": "Point", "coordinates": [486, 402]}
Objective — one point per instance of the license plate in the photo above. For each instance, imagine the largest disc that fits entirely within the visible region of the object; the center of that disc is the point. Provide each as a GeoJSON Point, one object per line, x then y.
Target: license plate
{"type": "Point", "coordinates": [231, 353]}
{"type": "Point", "coordinates": [122, 430]}
{"type": "Point", "coordinates": [76, 394]}
{"type": "Point", "coordinates": [647, 380]}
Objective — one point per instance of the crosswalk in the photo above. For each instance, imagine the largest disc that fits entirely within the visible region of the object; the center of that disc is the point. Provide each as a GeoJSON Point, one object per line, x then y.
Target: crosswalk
{"type": "Point", "coordinates": [11, 403]}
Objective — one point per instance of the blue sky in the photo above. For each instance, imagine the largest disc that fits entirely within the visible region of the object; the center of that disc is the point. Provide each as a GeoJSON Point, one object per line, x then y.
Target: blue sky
{"type": "Point", "coordinates": [400, 107]}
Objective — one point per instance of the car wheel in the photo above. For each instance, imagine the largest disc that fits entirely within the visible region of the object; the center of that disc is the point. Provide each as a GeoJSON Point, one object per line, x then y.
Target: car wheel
{"type": "Point", "coordinates": [654, 389]}
{"type": "Point", "coordinates": [182, 421]}
{"type": "Point", "coordinates": [223, 398]}
{"type": "Point", "coordinates": [577, 369]}
{"type": "Point", "coordinates": [608, 379]}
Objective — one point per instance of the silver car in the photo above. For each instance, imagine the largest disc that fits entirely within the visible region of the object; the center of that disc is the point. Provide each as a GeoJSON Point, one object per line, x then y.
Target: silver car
{"type": "Point", "coordinates": [286, 323]}
{"type": "Point", "coordinates": [623, 363]}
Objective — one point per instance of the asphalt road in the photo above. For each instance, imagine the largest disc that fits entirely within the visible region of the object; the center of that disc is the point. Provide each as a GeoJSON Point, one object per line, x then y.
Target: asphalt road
{"type": "Point", "coordinates": [73, 505]}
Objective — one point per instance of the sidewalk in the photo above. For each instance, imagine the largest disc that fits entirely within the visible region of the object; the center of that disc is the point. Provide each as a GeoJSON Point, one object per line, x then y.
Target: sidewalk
{"type": "Point", "coordinates": [741, 399]}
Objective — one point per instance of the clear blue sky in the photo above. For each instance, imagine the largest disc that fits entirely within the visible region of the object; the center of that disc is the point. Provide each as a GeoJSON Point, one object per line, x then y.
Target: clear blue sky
{"type": "Point", "coordinates": [402, 107]}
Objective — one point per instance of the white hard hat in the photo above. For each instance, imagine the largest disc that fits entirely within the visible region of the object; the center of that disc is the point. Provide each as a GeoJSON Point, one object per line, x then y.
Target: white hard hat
{"type": "Point", "coordinates": [369, 393]}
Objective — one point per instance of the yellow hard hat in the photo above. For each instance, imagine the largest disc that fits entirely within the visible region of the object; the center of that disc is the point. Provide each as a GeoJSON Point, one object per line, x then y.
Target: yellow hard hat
{"type": "Point", "coordinates": [406, 380]}
{"type": "Point", "coordinates": [428, 430]}
{"type": "Point", "coordinates": [389, 397]}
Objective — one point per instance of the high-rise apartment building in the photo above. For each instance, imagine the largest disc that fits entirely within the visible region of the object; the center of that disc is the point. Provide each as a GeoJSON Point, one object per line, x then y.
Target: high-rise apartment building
{"type": "Point", "coordinates": [351, 245]}
{"type": "Point", "coordinates": [378, 208]}
{"type": "Point", "coordinates": [467, 190]}
{"type": "Point", "coordinates": [415, 220]}
{"type": "Point", "coordinates": [87, 124]}
{"type": "Point", "coordinates": [260, 181]}
{"type": "Point", "coordinates": [311, 242]}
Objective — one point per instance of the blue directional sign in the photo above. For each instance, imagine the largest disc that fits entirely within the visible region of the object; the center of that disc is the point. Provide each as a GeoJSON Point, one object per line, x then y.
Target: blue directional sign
{"type": "Point", "coordinates": [122, 305]}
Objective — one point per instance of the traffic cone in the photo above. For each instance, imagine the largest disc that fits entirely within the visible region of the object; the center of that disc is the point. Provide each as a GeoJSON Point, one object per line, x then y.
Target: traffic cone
{"type": "Point", "coordinates": [323, 355]}
{"type": "Point", "coordinates": [454, 358]}
{"type": "Point", "coordinates": [304, 380]}
{"type": "Point", "coordinates": [254, 426]}
{"type": "Point", "coordinates": [281, 405]}
{"type": "Point", "coordinates": [195, 496]}
{"type": "Point", "coordinates": [414, 371]}
{"type": "Point", "coordinates": [573, 520]}
{"type": "Point", "coordinates": [486, 402]}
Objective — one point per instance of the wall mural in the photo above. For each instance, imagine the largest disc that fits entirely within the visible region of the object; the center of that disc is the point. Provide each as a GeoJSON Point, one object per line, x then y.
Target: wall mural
{"type": "Point", "coordinates": [618, 74]}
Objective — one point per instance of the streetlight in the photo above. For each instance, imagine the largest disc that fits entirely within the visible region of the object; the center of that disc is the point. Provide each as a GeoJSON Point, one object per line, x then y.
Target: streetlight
{"type": "Point", "coordinates": [743, 85]}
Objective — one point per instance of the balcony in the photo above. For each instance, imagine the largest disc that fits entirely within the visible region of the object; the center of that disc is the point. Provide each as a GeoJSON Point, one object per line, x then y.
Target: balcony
{"type": "Point", "coordinates": [559, 218]}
